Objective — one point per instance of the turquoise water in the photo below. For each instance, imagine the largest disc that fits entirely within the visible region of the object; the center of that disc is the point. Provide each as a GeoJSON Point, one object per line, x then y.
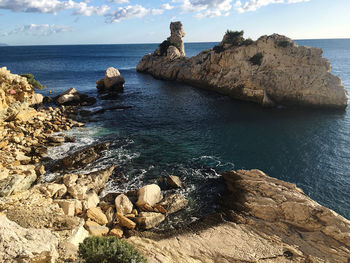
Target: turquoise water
{"type": "Point", "coordinates": [177, 129]}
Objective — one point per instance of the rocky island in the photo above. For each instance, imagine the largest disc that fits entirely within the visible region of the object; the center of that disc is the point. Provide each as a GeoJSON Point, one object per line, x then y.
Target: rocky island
{"type": "Point", "coordinates": [271, 71]}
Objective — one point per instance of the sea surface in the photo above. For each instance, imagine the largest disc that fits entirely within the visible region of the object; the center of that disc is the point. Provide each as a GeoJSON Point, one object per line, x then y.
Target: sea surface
{"type": "Point", "coordinates": [177, 129]}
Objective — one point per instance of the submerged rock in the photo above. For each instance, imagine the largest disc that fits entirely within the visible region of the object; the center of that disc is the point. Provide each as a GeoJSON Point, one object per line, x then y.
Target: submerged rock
{"type": "Point", "coordinates": [81, 158]}
{"type": "Point", "coordinates": [271, 71]}
{"type": "Point", "coordinates": [73, 97]}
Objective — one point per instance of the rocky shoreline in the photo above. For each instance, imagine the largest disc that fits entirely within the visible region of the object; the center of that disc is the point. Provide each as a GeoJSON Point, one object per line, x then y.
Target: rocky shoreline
{"type": "Point", "coordinates": [272, 71]}
{"type": "Point", "coordinates": [260, 219]}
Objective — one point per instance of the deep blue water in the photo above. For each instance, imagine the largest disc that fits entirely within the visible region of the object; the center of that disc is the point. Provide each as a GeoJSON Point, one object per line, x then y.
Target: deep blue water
{"type": "Point", "coordinates": [177, 129]}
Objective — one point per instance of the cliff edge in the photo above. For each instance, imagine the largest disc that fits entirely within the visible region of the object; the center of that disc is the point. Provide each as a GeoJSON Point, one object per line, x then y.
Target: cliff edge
{"type": "Point", "coordinates": [271, 71]}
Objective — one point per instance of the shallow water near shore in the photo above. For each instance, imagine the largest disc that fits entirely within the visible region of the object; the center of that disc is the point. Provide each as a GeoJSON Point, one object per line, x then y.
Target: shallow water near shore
{"type": "Point", "coordinates": [177, 129]}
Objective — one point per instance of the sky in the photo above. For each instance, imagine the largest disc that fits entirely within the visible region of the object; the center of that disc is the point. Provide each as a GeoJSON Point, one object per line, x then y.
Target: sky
{"type": "Point", "coordinates": [48, 22]}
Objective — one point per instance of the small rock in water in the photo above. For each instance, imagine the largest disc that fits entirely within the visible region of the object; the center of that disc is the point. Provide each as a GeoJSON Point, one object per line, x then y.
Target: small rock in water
{"type": "Point", "coordinates": [174, 203]}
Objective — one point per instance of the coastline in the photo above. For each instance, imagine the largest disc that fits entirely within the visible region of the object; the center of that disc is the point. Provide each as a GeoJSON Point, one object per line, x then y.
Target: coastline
{"type": "Point", "coordinates": [67, 226]}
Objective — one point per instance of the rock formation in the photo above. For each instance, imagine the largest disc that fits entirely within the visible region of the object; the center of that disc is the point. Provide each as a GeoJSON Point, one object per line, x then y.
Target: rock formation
{"type": "Point", "coordinates": [112, 82]}
{"type": "Point", "coordinates": [271, 71]}
{"type": "Point", "coordinates": [263, 220]}
{"type": "Point", "coordinates": [16, 95]}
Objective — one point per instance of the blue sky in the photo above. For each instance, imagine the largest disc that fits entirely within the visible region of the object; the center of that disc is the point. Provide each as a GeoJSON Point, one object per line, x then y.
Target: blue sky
{"type": "Point", "coordinates": [33, 22]}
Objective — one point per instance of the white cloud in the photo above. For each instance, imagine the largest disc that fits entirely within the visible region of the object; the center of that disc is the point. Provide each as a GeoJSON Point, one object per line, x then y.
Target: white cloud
{"type": "Point", "coordinates": [134, 11]}
{"type": "Point", "coordinates": [119, 1]}
{"type": "Point", "coordinates": [166, 6]}
{"type": "Point", "coordinates": [52, 6]}
{"type": "Point", "coordinates": [206, 8]}
{"type": "Point", "coordinates": [39, 30]}
{"type": "Point", "coordinates": [252, 5]}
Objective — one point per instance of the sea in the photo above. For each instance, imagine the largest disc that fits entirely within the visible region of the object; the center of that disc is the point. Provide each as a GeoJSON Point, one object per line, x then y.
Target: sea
{"type": "Point", "coordinates": [176, 129]}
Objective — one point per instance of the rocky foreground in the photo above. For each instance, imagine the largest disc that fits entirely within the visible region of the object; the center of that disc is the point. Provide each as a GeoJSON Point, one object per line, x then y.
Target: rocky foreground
{"type": "Point", "coordinates": [260, 219]}
{"type": "Point", "coordinates": [271, 71]}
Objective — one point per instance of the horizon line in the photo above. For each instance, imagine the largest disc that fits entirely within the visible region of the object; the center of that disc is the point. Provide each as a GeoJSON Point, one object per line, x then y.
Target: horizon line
{"type": "Point", "coordinates": [151, 43]}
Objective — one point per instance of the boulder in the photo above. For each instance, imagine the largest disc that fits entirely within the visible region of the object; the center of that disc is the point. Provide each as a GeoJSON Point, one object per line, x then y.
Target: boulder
{"type": "Point", "coordinates": [67, 205]}
{"type": "Point", "coordinates": [174, 181]}
{"type": "Point", "coordinates": [91, 200]}
{"type": "Point", "coordinates": [28, 245]}
{"type": "Point", "coordinates": [117, 232]}
{"type": "Point", "coordinates": [125, 222]}
{"type": "Point", "coordinates": [148, 220]}
{"type": "Point", "coordinates": [112, 81]}
{"type": "Point", "coordinates": [53, 190]}
{"type": "Point", "coordinates": [37, 99]}
{"type": "Point", "coordinates": [96, 214]}
{"type": "Point", "coordinates": [68, 96]}
{"type": "Point", "coordinates": [94, 181]}
{"type": "Point", "coordinates": [70, 179]}
{"type": "Point", "coordinates": [176, 35]}
{"type": "Point", "coordinates": [150, 194]}
{"type": "Point", "coordinates": [78, 234]}
{"type": "Point", "coordinates": [96, 229]}
{"type": "Point", "coordinates": [123, 205]}
{"type": "Point", "coordinates": [173, 203]}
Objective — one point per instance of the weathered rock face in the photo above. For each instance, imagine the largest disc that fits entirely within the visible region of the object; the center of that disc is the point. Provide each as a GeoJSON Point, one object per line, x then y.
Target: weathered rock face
{"type": "Point", "coordinates": [271, 71]}
{"type": "Point", "coordinates": [16, 94]}
{"type": "Point", "coordinates": [177, 33]}
{"type": "Point", "coordinates": [265, 220]}
{"type": "Point", "coordinates": [26, 245]}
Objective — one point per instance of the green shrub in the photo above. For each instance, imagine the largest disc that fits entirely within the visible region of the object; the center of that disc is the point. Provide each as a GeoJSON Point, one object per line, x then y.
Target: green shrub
{"type": "Point", "coordinates": [234, 37]}
{"type": "Point", "coordinates": [248, 42]}
{"type": "Point", "coordinates": [164, 46]}
{"type": "Point", "coordinates": [109, 250]}
{"type": "Point", "coordinates": [256, 59]}
{"type": "Point", "coordinates": [30, 78]}
{"type": "Point", "coordinates": [218, 49]}
{"type": "Point", "coordinates": [284, 43]}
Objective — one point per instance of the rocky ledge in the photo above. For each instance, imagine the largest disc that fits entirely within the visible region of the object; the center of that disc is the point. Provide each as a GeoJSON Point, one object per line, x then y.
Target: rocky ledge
{"type": "Point", "coordinates": [262, 220]}
{"type": "Point", "coordinates": [271, 71]}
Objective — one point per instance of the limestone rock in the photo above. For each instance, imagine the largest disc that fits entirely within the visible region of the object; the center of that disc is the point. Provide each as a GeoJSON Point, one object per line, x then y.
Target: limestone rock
{"type": "Point", "coordinates": [177, 33]}
{"type": "Point", "coordinates": [29, 245]}
{"type": "Point", "coordinates": [123, 204]}
{"type": "Point", "coordinates": [147, 220]}
{"type": "Point", "coordinates": [113, 81]}
{"type": "Point", "coordinates": [117, 232]}
{"type": "Point", "coordinates": [95, 229]}
{"type": "Point", "coordinates": [53, 190]}
{"type": "Point", "coordinates": [70, 179]}
{"type": "Point", "coordinates": [81, 158]}
{"type": "Point", "coordinates": [125, 222]}
{"type": "Point", "coordinates": [91, 200]}
{"type": "Point", "coordinates": [68, 206]}
{"type": "Point", "coordinates": [94, 181]}
{"type": "Point", "coordinates": [37, 99]}
{"type": "Point", "coordinates": [150, 194]}
{"type": "Point", "coordinates": [174, 181]}
{"type": "Point", "coordinates": [265, 72]}
{"type": "Point", "coordinates": [17, 183]}
{"type": "Point", "coordinates": [68, 96]}
{"type": "Point", "coordinates": [173, 203]}
{"type": "Point", "coordinates": [96, 214]}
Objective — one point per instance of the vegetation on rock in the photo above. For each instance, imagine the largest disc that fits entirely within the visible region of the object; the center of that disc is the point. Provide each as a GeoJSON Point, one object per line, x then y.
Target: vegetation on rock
{"type": "Point", "coordinates": [163, 47]}
{"type": "Point", "coordinates": [284, 43]}
{"type": "Point", "coordinates": [236, 38]}
{"type": "Point", "coordinates": [109, 250]}
{"type": "Point", "coordinates": [256, 59]}
{"type": "Point", "coordinates": [32, 81]}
